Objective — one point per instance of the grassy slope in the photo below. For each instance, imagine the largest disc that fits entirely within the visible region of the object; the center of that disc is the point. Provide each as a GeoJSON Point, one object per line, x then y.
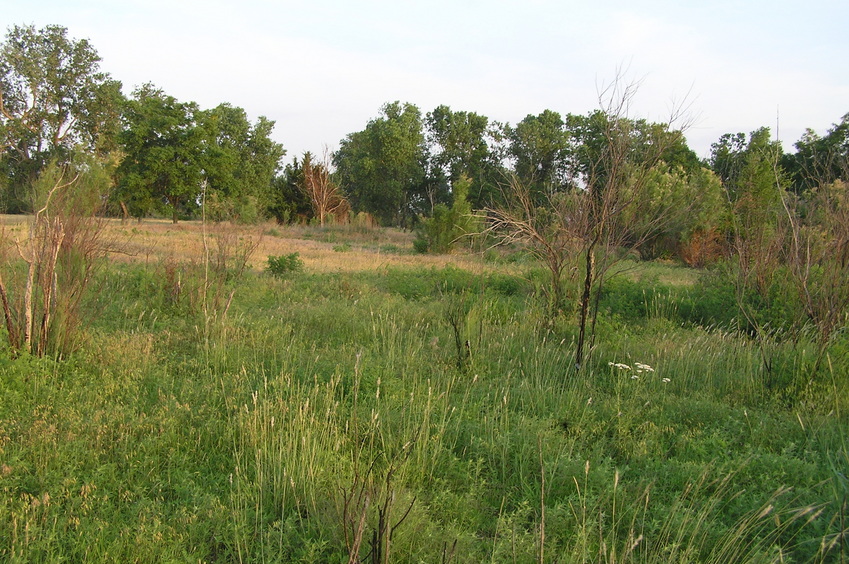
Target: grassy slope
{"type": "Point", "coordinates": [284, 430]}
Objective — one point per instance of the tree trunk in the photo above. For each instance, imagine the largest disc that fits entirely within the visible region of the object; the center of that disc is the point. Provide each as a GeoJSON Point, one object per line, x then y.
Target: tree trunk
{"type": "Point", "coordinates": [585, 305]}
{"type": "Point", "coordinates": [125, 213]}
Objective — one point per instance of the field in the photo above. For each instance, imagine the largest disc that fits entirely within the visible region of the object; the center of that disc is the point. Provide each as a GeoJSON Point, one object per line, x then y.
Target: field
{"type": "Point", "coordinates": [371, 404]}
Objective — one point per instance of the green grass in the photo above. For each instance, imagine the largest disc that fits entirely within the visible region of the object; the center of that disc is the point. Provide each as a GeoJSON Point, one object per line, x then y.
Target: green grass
{"type": "Point", "coordinates": [284, 430]}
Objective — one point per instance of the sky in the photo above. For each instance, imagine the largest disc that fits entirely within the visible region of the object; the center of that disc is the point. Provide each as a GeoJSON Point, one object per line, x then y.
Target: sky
{"type": "Point", "coordinates": [322, 69]}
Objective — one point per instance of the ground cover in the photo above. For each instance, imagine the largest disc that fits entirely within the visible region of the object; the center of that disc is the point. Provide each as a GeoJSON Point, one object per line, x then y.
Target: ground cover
{"type": "Point", "coordinates": [388, 406]}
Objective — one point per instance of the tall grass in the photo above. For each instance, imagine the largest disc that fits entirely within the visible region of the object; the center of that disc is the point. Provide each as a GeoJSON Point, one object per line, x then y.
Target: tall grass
{"type": "Point", "coordinates": [326, 418]}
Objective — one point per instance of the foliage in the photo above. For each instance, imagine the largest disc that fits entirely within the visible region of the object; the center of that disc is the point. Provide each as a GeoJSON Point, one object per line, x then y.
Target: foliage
{"type": "Point", "coordinates": [820, 161]}
{"type": "Point", "coordinates": [540, 148]}
{"type": "Point", "coordinates": [288, 201]}
{"type": "Point", "coordinates": [381, 168]}
{"type": "Point", "coordinates": [239, 161]}
{"type": "Point", "coordinates": [465, 144]}
{"type": "Point", "coordinates": [162, 168]}
{"type": "Point", "coordinates": [42, 304]}
{"type": "Point", "coordinates": [284, 265]}
{"type": "Point", "coordinates": [441, 232]}
{"type": "Point", "coordinates": [55, 102]}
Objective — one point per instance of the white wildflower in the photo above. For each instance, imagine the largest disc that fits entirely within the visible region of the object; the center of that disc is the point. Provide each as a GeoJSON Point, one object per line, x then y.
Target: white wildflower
{"type": "Point", "coordinates": [619, 365]}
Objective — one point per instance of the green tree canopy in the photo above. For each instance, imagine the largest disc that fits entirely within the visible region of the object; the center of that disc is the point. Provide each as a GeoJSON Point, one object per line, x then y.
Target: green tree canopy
{"type": "Point", "coordinates": [288, 202]}
{"type": "Point", "coordinates": [239, 160]}
{"type": "Point", "coordinates": [820, 161]}
{"type": "Point", "coordinates": [163, 164]}
{"type": "Point", "coordinates": [464, 143]}
{"type": "Point", "coordinates": [539, 147]}
{"type": "Point", "coordinates": [382, 168]}
{"type": "Point", "coordinates": [54, 101]}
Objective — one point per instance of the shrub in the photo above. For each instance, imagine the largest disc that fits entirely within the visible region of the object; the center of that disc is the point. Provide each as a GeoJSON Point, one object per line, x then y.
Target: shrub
{"type": "Point", "coordinates": [439, 233]}
{"type": "Point", "coordinates": [42, 307]}
{"type": "Point", "coordinates": [282, 266]}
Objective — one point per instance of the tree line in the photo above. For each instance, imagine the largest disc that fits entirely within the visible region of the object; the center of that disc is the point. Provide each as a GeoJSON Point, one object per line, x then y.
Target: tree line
{"type": "Point", "coordinates": [172, 158]}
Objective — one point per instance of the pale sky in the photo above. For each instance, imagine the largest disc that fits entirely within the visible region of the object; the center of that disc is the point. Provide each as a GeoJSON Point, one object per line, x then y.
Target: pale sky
{"type": "Point", "coordinates": [323, 68]}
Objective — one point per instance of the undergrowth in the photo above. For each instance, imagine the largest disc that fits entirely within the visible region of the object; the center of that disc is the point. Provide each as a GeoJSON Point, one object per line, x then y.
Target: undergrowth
{"type": "Point", "coordinates": [336, 417]}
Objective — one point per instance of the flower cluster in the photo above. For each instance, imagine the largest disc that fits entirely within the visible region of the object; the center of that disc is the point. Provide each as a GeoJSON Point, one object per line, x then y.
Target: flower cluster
{"type": "Point", "coordinates": [637, 369]}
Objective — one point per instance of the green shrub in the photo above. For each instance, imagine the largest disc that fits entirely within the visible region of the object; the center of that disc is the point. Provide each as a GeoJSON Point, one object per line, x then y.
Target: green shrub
{"type": "Point", "coordinates": [439, 234]}
{"type": "Point", "coordinates": [284, 265]}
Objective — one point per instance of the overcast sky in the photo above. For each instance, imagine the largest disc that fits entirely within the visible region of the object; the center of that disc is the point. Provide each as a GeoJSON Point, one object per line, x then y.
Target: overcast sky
{"type": "Point", "coordinates": [323, 68]}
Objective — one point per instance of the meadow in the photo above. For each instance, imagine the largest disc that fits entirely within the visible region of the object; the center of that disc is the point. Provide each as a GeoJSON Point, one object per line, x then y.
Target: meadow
{"type": "Point", "coordinates": [366, 403]}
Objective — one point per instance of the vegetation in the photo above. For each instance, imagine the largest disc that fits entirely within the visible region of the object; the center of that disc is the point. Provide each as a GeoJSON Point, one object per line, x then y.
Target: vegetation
{"type": "Point", "coordinates": [329, 415]}
{"type": "Point", "coordinates": [643, 358]}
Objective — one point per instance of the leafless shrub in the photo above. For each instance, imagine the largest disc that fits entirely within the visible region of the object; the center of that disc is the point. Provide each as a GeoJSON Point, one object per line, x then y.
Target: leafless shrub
{"type": "Point", "coordinates": [42, 303]}
{"type": "Point", "coordinates": [605, 211]}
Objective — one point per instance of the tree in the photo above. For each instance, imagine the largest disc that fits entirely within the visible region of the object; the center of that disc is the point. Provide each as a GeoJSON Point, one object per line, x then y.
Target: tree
{"type": "Point", "coordinates": [382, 168]}
{"type": "Point", "coordinates": [239, 161]}
{"type": "Point", "coordinates": [612, 159]}
{"type": "Point", "coordinates": [324, 194]}
{"type": "Point", "coordinates": [464, 144]}
{"type": "Point", "coordinates": [820, 161]}
{"type": "Point", "coordinates": [54, 101]}
{"type": "Point", "coordinates": [163, 164]}
{"type": "Point", "coordinates": [447, 226]}
{"type": "Point", "coordinates": [620, 157]}
{"type": "Point", "coordinates": [754, 184]}
{"type": "Point", "coordinates": [539, 146]}
{"type": "Point", "coordinates": [288, 202]}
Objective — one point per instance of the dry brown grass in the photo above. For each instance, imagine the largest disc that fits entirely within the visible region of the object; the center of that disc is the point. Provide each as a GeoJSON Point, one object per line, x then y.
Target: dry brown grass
{"type": "Point", "coordinates": [333, 249]}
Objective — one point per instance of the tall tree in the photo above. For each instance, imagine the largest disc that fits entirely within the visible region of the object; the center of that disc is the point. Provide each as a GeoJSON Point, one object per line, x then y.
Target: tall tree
{"type": "Point", "coordinates": [54, 100]}
{"type": "Point", "coordinates": [163, 164]}
{"type": "Point", "coordinates": [539, 146]}
{"type": "Point", "coordinates": [820, 161]}
{"type": "Point", "coordinates": [382, 168]}
{"type": "Point", "coordinates": [239, 160]}
{"type": "Point", "coordinates": [465, 144]}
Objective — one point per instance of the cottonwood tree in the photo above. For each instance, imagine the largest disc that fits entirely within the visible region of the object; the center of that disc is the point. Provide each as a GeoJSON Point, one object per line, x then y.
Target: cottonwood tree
{"type": "Point", "coordinates": [163, 163]}
{"type": "Point", "coordinates": [464, 144]}
{"type": "Point", "coordinates": [54, 101]}
{"type": "Point", "coordinates": [239, 161]}
{"type": "Point", "coordinates": [540, 148]}
{"type": "Point", "coordinates": [820, 161]}
{"type": "Point", "coordinates": [382, 168]}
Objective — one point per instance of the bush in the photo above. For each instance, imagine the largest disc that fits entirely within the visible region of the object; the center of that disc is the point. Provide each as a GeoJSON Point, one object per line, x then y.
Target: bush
{"type": "Point", "coordinates": [439, 233]}
{"type": "Point", "coordinates": [284, 265]}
